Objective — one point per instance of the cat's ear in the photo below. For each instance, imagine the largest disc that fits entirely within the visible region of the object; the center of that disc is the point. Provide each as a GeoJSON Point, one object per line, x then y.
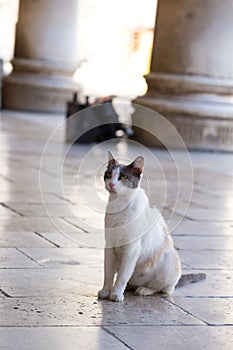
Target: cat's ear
{"type": "Point", "coordinates": [111, 159]}
{"type": "Point", "coordinates": [138, 164]}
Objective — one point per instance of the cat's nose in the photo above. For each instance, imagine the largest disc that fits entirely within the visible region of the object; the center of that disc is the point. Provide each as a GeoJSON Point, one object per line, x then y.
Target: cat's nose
{"type": "Point", "coordinates": [111, 184]}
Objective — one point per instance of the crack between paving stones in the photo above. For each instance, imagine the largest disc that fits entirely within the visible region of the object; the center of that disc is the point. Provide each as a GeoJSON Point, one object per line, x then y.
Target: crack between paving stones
{"type": "Point", "coordinates": [117, 338]}
{"type": "Point", "coordinates": [187, 268]}
{"type": "Point", "coordinates": [5, 293]}
{"type": "Point", "coordinates": [185, 311]}
{"type": "Point", "coordinates": [29, 257]}
{"type": "Point", "coordinates": [11, 209]}
{"type": "Point", "coordinates": [62, 198]}
{"type": "Point", "coordinates": [47, 239]}
{"type": "Point", "coordinates": [99, 326]}
{"type": "Point", "coordinates": [209, 296]}
{"type": "Point", "coordinates": [72, 224]}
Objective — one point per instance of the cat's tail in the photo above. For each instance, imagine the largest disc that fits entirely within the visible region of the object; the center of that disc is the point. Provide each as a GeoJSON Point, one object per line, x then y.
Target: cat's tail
{"type": "Point", "coordinates": [190, 278]}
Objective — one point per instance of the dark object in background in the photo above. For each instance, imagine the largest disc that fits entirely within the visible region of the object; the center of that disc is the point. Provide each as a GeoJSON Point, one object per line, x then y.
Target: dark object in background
{"type": "Point", "coordinates": [104, 114]}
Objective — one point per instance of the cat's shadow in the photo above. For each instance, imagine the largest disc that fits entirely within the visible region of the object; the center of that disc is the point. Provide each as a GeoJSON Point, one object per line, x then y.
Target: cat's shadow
{"type": "Point", "coordinates": [137, 310]}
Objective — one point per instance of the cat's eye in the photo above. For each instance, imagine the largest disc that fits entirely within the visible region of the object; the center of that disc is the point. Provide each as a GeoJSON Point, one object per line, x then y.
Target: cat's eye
{"type": "Point", "coordinates": [123, 177]}
{"type": "Point", "coordinates": [108, 175]}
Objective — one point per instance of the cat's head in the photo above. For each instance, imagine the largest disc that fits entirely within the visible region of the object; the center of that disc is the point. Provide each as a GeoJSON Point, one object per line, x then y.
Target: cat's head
{"type": "Point", "coordinates": [121, 179]}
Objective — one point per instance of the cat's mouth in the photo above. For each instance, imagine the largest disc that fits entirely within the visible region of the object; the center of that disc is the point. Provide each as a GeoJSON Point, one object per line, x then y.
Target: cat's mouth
{"type": "Point", "coordinates": [112, 191]}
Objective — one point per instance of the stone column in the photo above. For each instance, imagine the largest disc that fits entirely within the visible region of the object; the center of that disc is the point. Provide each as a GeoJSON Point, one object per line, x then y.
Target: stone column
{"type": "Point", "coordinates": [46, 56]}
{"type": "Point", "coordinates": [191, 78]}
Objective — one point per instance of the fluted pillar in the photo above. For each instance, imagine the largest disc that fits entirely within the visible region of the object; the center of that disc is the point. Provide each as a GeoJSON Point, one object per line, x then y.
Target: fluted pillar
{"type": "Point", "coordinates": [46, 56]}
{"type": "Point", "coordinates": [191, 77]}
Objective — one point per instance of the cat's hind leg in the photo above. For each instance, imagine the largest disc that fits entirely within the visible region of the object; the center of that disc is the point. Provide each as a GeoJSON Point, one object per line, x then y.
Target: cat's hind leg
{"type": "Point", "coordinates": [144, 291]}
{"type": "Point", "coordinates": [168, 290]}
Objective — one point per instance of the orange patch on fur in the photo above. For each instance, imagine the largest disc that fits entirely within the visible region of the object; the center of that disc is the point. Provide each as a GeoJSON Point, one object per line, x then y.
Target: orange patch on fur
{"type": "Point", "coordinates": [156, 256]}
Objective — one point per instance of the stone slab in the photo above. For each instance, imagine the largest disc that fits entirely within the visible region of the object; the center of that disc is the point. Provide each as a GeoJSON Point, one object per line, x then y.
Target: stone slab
{"type": "Point", "coordinates": [12, 258]}
{"type": "Point", "coordinates": [205, 228]}
{"type": "Point", "coordinates": [90, 222]}
{"type": "Point", "coordinates": [70, 240]}
{"type": "Point", "coordinates": [200, 259]}
{"type": "Point", "coordinates": [46, 209]}
{"type": "Point", "coordinates": [79, 310]}
{"type": "Point", "coordinates": [212, 202]}
{"type": "Point", "coordinates": [204, 243]}
{"type": "Point", "coordinates": [59, 338]}
{"type": "Point", "coordinates": [24, 197]}
{"type": "Point", "coordinates": [22, 239]}
{"type": "Point", "coordinates": [217, 283]}
{"type": "Point", "coordinates": [52, 282]}
{"type": "Point", "coordinates": [34, 224]}
{"type": "Point", "coordinates": [206, 214]}
{"type": "Point", "coordinates": [182, 338]}
{"type": "Point", "coordinates": [58, 257]}
{"type": "Point", "coordinates": [213, 311]}
{"type": "Point", "coordinates": [79, 238]}
{"type": "Point", "coordinates": [6, 212]}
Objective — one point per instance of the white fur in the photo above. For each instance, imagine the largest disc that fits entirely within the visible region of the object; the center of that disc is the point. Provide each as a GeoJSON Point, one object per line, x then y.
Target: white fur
{"type": "Point", "coordinates": [139, 252]}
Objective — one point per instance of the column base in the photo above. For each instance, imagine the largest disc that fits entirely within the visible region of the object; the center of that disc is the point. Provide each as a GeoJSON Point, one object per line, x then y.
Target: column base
{"type": "Point", "coordinates": [38, 86]}
{"type": "Point", "coordinates": [204, 120]}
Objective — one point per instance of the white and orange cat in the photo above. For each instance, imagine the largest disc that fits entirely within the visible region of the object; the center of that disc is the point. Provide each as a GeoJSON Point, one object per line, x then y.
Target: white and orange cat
{"type": "Point", "coordinates": [139, 252]}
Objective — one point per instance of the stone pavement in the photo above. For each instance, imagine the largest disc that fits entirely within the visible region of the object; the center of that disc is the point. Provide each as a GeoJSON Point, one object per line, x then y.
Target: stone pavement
{"type": "Point", "coordinates": [51, 245]}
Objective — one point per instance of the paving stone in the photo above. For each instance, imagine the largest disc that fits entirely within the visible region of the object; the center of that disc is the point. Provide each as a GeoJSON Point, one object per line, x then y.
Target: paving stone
{"type": "Point", "coordinates": [79, 238]}
{"type": "Point", "coordinates": [204, 243]}
{"type": "Point", "coordinates": [208, 201]}
{"type": "Point", "coordinates": [59, 338]}
{"type": "Point", "coordinates": [217, 283]}
{"type": "Point", "coordinates": [204, 228]}
{"type": "Point", "coordinates": [29, 197]}
{"type": "Point", "coordinates": [41, 224]}
{"type": "Point", "coordinates": [57, 257]}
{"type": "Point", "coordinates": [52, 282]}
{"type": "Point", "coordinates": [206, 214]}
{"type": "Point", "coordinates": [22, 239]}
{"type": "Point", "coordinates": [9, 197]}
{"type": "Point", "coordinates": [12, 258]}
{"type": "Point", "coordinates": [6, 212]}
{"type": "Point", "coordinates": [198, 259]}
{"type": "Point", "coordinates": [214, 311]}
{"type": "Point", "coordinates": [46, 209]}
{"type": "Point", "coordinates": [182, 338]}
{"type": "Point", "coordinates": [90, 224]}
{"type": "Point", "coordinates": [79, 310]}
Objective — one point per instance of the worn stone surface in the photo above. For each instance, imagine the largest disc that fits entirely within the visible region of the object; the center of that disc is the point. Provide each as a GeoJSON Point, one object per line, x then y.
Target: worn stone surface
{"type": "Point", "coordinates": [76, 310]}
{"type": "Point", "coordinates": [13, 258]}
{"type": "Point", "coordinates": [59, 338]}
{"type": "Point", "coordinates": [51, 264]}
{"type": "Point", "coordinates": [22, 239]}
{"type": "Point", "coordinates": [213, 311]}
{"type": "Point", "coordinates": [182, 338]}
{"type": "Point", "coordinates": [218, 283]}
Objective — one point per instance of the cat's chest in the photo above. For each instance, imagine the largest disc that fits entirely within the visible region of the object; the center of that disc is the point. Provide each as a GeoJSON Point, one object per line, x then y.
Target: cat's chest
{"type": "Point", "coordinates": [117, 219]}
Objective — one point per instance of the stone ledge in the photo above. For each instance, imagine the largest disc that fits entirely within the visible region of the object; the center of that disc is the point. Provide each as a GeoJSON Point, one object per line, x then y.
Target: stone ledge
{"type": "Point", "coordinates": [40, 93]}
{"type": "Point", "coordinates": [203, 125]}
{"type": "Point", "coordinates": [180, 83]}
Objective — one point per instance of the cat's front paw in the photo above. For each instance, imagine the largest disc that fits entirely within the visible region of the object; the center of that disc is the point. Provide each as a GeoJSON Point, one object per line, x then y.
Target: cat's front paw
{"type": "Point", "coordinates": [103, 294]}
{"type": "Point", "coordinates": [116, 297]}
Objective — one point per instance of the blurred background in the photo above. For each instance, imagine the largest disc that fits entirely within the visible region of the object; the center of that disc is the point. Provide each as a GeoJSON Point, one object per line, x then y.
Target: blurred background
{"type": "Point", "coordinates": [171, 56]}
{"type": "Point", "coordinates": [99, 48]}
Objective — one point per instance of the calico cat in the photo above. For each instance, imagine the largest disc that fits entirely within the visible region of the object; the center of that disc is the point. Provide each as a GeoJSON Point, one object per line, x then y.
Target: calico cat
{"type": "Point", "coordinates": [139, 250]}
